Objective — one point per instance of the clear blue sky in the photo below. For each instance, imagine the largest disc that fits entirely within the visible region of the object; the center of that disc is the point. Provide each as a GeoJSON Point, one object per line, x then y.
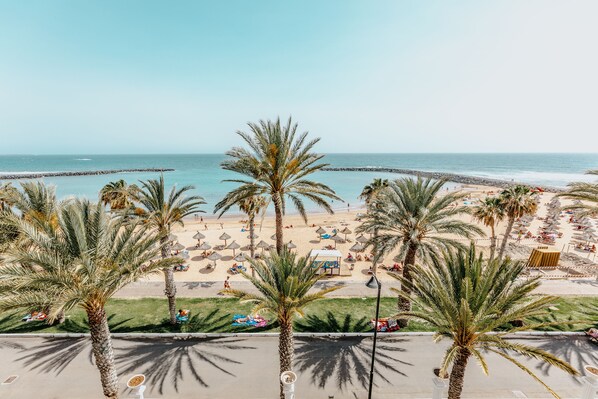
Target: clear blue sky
{"type": "Point", "coordinates": [365, 76]}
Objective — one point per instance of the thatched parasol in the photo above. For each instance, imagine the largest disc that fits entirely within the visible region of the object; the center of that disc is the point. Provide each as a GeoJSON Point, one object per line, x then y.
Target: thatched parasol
{"type": "Point", "coordinates": [357, 247]}
{"type": "Point", "coordinates": [177, 247]}
{"type": "Point", "coordinates": [361, 239]}
{"type": "Point", "coordinates": [346, 231]}
{"type": "Point", "coordinates": [234, 246]}
{"type": "Point", "coordinates": [224, 237]}
{"type": "Point", "coordinates": [205, 246]}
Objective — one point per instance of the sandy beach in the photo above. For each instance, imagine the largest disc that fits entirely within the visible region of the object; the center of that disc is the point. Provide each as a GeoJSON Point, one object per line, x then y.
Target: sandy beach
{"type": "Point", "coordinates": [305, 237]}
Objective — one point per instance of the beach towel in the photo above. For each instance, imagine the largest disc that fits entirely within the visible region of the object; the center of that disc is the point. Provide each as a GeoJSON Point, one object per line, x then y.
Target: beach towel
{"type": "Point", "coordinates": [240, 320]}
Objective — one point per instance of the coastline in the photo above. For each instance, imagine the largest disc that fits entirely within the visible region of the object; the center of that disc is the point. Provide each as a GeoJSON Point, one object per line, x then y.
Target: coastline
{"type": "Point", "coordinates": [452, 177]}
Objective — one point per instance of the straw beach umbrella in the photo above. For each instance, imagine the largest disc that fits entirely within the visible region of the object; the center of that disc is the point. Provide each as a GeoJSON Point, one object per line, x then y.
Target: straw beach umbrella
{"type": "Point", "coordinates": [290, 245]}
{"type": "Point", "coordinates": [198, 236]}
{"type": "Point", "coordinates": [346, 231]}
{"type": "Point", "coordinates": [205, 246]}
{"type": "Point", "coordinates": [178, 247]}
{"type": "Point", "coordinates": [361, 239]}
{"type": "Point", "coordinates": [320, 231]}
{"type": "Point", "coordinates": [273, 237]}
{"type": "Point", "coordinates": [336, 240]}
{"type": "Point", "coordinates": [214, 256]}
{"type": "Point", "coordinates": [263, 245]}
{"type": "Point", "coordinates": [357, 247]}
{"type": "Point", "coordinates": [172, 237]}
{"type": "Point", "coordinates": [240, 257]}
{"type": "Point", "coordinates": [255, 236]}
{"type": "Point", "coordinates": [234, 246]}
{"type": "Point", "coordinates": [224, 237]}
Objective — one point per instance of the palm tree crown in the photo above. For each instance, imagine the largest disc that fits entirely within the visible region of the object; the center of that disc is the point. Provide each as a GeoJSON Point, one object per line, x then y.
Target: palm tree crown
{"type": "Point", "coordinates": [118, 194]}
{"type": "Point", "coordinates": [586, 194]}
{"type": "Point", "coordinates": [490, 212]}
{"type": "Point", "coordinates": [516, 201]}
{"type": "Point", "coordinates": [162, 211]}
{"type": "Point", "coordinates": [283, 281]}
{"type": "Point", "coordinates": [411, 214]}
{"type": "Point", "coordinates": [466, 300]}
{"type": "Point", "coordinates": [276, 165]}
{"type": "Point", "coordinates": [371, 191]}
{"type": "Point", "coordinates": [82, 262]}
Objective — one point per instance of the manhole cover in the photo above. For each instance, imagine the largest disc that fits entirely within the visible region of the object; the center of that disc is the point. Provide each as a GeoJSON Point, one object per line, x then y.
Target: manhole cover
{"type": "Point", "coordinates": [519, 394]}
{"type": "Point", "coordinates": [10, 380]}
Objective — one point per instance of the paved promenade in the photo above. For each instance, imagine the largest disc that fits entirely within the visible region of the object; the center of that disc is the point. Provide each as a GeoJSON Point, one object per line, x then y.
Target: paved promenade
{"type": "Point", "coordinates": [580, 287]}
{"type": "Point", "coordinates": [246, 367]}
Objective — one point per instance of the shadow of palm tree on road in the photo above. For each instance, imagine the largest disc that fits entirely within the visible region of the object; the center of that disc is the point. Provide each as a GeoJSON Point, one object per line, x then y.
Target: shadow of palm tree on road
{"type": "Point", "coordinates": [577, 350]}
{"type": "Point", "coordinates": [55, 354]}
{"type": "Point", "coordinates": [163, 360]}
{"type": "Point", "coordinates": [347, 359]}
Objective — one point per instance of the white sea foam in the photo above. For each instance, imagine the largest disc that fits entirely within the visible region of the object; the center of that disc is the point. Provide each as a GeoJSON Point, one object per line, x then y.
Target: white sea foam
{"type": "Point", "coordinates": [558, 179]}
{"type": "Point", "coordinates": [83, 159]}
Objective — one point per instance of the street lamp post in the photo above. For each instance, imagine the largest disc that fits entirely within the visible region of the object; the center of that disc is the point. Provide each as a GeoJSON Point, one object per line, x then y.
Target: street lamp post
{"type": "Point", "coordinates": [374, 283]}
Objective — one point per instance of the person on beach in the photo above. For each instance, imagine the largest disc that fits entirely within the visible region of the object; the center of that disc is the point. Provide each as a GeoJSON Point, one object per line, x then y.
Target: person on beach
{"type": "Point", "coordinates": [205, 226]}
{"type": "Point", "coordinates": [227, 283]}
{"type": "Point", "coordinates": [221, 226]}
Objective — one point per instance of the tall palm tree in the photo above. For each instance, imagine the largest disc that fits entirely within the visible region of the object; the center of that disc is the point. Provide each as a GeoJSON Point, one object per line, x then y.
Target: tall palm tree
{"type": "Point", "coordinates": [585, 192]}
{"type": "Point", "coordinates": [466, 300]}
{"type": "Point", "coordinates": [371, 191]}
{"type": "Point", "coordinates": [161, 212]}
{"type": "Point", "coordinates": [517, 201]}
{"type": "Point", "coordinates": [81, 263]}
{"type": "Point", "coordinates": [275, 166]}
{"type": "Point", "coordinates": [283, 281]}
{"type": "Point", "coordinates": [410, 216]}
{"type": "Point", "coordinates": [251, 206]}
{"type": "Point", "coordinates": [490, 212]}
{"type": "Point", "coordinates": [118, 194]}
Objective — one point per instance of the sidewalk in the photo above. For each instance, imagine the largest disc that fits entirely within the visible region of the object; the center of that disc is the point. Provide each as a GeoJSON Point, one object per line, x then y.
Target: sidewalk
{"type": "Point", "coordinates": [208, 289]}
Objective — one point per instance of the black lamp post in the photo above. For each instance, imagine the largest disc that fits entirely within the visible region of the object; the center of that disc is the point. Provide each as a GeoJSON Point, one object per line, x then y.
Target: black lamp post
{"type": "Point", "coordinates": [374, 283]}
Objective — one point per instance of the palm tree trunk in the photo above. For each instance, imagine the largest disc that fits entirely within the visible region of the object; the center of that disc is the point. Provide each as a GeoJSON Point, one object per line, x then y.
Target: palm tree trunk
{"type": "Point", "coordinates": [458, 374]}
{"type": "Point", "coordinates": [278, 214]}
{"type": "Point", "coordinates": [286, 349]}
{"type": "Point", "coordinates": [492, 242]}
{"type": "Point", "coordinates": [101, 344]}
{"type": "Point", "coordinates": [404, 304]}
{"type": "Point", "coordinates": [251, 241]}
{"type": "Point", "coordinates": [169, 286]}
{"type": "Point", "coordinates": [375, 265]}
{"type": "Point", "coordinates": [503, 245]}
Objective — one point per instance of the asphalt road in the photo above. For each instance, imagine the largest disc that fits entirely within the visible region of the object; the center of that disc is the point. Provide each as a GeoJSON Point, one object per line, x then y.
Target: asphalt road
{"type": "Point", "coordinates": [247, 367]}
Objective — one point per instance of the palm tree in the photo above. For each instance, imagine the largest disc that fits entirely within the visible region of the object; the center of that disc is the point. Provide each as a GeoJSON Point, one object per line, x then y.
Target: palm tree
{"type": "Point", "coordinates": [276, 164]}
{"type": "Point", "coordinates": [118, 194]}
{"type": "Point", "coordinates": [587, 193]}
{"type": "Point", "coordinates": [251, 206]}
{"type": "Point", "coordinates": [371, 191]}
{"type": "Point", "coordinates": [411, 216]}
{"type": "Point", "coordinates": [161, 213]}
{"type": "Point", "coordinates": [283, 283]}
{"type": "Point", "coordinates": [83, 262]}
{"type": "Point", "coordinates": [37, 203]}
{"type": "Point", "coordinates": [517, 201]}
{"type": "Point", "coordinates": [466, 300]}
{"type": "Point", "coordinates": [490, 212]}
{"type": "Point", "coordinates": [7, 196]}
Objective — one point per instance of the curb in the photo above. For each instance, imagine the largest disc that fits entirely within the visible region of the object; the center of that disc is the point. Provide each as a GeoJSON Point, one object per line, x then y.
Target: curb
{"type": "Point", "coordinates": [271, 335]}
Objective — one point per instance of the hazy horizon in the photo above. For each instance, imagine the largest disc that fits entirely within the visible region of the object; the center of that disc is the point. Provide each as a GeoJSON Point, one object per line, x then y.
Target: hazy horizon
{"type": "Point", "coordinates": [386, 76]}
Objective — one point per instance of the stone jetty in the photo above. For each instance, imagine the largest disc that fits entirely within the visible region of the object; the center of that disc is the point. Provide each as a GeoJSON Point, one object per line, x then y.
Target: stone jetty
{"type": "Point", "coordinates": [39, 175]}
{"type": "Point", "coordinates": [452, 177]}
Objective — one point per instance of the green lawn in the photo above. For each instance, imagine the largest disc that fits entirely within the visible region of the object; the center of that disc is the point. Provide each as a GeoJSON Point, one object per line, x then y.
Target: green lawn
{"type": "Point", "coordinates": [215, 315]}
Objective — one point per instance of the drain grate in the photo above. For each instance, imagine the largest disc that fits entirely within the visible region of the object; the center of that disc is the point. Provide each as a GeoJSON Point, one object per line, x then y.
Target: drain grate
{"type": "Point", "coordinates": [10, 380]}
{"type": "Point", "coordinates": [519, 394]}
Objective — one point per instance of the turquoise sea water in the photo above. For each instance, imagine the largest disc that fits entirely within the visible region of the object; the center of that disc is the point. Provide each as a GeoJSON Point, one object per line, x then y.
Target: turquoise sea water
{"type": "Point", "coordinates": [203, 170]}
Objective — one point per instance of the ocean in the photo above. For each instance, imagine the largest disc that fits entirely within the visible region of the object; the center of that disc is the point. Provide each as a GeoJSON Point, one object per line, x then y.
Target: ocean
{"type": "Point", "coordinates": [203, 170]}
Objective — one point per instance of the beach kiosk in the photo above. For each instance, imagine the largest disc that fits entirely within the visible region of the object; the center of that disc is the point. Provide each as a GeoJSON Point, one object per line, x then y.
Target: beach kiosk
{"type": "Point", "coordinates": [327, 261]}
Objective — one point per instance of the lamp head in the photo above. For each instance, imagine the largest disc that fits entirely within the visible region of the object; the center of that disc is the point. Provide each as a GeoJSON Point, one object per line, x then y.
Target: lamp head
{"type": "Point", "coordinates": [373, 282]}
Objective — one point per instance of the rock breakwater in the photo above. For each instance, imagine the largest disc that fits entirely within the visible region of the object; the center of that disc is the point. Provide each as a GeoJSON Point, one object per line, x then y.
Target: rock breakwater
{"type": "Point", "coordinates": [39, 175]}
{"type": "Point", "coordinates": [452, 177]}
